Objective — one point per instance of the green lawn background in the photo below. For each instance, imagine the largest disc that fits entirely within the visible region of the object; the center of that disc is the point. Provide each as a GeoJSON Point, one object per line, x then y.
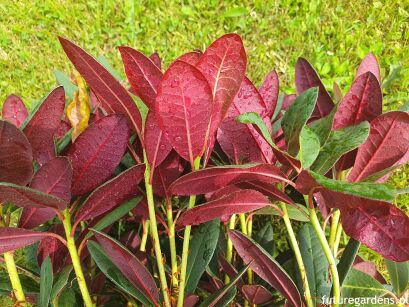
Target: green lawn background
{"type": "Point", "coordinates": [333, 35]}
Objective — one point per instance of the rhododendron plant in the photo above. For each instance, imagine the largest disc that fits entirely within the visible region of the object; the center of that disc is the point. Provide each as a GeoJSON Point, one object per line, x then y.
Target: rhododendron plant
{"type": "Point", "coordinates": [159, 190]}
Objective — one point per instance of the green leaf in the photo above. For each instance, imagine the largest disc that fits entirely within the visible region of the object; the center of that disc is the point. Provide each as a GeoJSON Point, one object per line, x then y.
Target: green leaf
{"type": "Point", "coordinates": [309, 147]}
{"type": "Point", "coordinates": [113, 273]}
{"type": "Point", "coordinates": [226, 294]}
{"type": "Point", "coordinates": [322, 127]}
{"type": "Point", "coordinates": [347, 259]}
{"type": "Point", "coordinates": [297, 214]}
{"type": "Point", "coordinates": [279, 106]}
{"type": "Point", "coordinates": [62, 144]}
{"type": "Point", "coordinates": [68, 299]}
{"type": "Point", "coordinates": [61, 282]}
{"type": "Point", "coordinates": [104, 62]}
{"type": "Point", "coordinates": [399, 274]}
{"type": "Point", "coordinates": [255, 119]}
{"type": "Point", "coordinates": [64, 80]}
{"type": "Point", "coordinates": [296, 117]}
{"type": "Point", "coordinates": [368, 190]}
{"type": "Point", "coordinates": [202, 248]}
{"type": "Point", "coordinates": [28, 284]}
{"type": "Point", "coordinates": [316, 264]}
{"type": "Point", "coordinates": [264, 237]}
{"type": "Point", "coordinates": [338, 143]}
{"type": "Point", "coordinates": [359, 285]}
{"type": "Point", "coordinates": [46, 282]}
{"type": "Point", "coordinates": [117, 213]}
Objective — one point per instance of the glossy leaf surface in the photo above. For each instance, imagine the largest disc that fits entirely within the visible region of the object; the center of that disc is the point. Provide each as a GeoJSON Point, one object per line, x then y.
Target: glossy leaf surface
{"type": "Point", "coordinates": [14, 110]}
{"type": "Point", "coordinates": [15, 155]}
{"type": "Point", "coordinates": [370, 63]}
{"type": "Point", "coordinates": [43, 124]}
{"type": "Point", "coordinates": [97, 152]}
{"type": "Point", "coordinates": [269, 92]}
{"type": "Point", "coordinates": [15, 238]}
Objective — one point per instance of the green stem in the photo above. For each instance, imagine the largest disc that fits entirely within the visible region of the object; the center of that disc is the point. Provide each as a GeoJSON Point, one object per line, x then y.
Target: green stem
{"type": "Point", "coordinates": [328, 254]}
{"type": "Point", "coordinates": [337, 240]}
{"type": "Point", "coordinates": [243, 223]}
{"type": "Point", "coordinates": [249, 232]}
{"type": "Point", "coordinates": [172, 246]}
{"type": "Point", "coordinates": [145, 233]}
{"type": "Point", "coordinates": [229, 248]}
{"type": "Point", "coordinates": [185, 248]}
{"type": "Point", "coordinates": [154, 233]}
{"type": "Point", "coordinates": [14, 279]}
{"type": "Point", "coordinates": [76, 262]}
{"type": "Point", "coordinates": [334, 227]}
{"type": "Point", "coordinates": [298, 257]}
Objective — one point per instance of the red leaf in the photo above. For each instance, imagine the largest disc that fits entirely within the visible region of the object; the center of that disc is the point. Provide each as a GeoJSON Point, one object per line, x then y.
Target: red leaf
{"type": "Point", "coordinates": [53, 178]}
{"type": "Point", "coordinates": [237, 202]}
{"type": "Point", "coordinates": [288, 100]}
{"type": "Point", "coordinates": [62, 130]}
{"type": "Point", "coordinates": [305, 78]}
{"type": "Point", "coordinates": [214, 178]}
{"type": "Point", "coordinates": [167, 172]}
{"type": "Point", "coordinates": [15, 155]}
{"type": "Point", "coordinates": [223, 64]}
{"type": "Point", "coordinates": [256, 294]}
{"type": "Point", "coordinates": [369, 63]}
{"type": "Point", "coordinates": [143, 75]}
{"type": "Point", "coordinates": [267, 189]}
{"type": "Point", "coordinates": [14, 110]}
{"type": "Point", "coordinates": [380, 226]}
{"type": "Point", "coordinates": [110, 194]}
{"type": "Point", "coordinates": [269, 92]}
{"type": "Point", "coordinates": [15, 238]}
{"type": "Point", "coordinates": [53, 248]}
{"type": "Point", "coordinates": [190, 300]}
{"type": "Point", "coordinates": [130, 266]}
{"type": "Point", "coordinates": [362, 102]}
{"type": "Point", "coordinates": [183, 108]}
{"type": "Point", "coordinates": [109, 91]}
{"type": "Point", "coordinates": [265, 266]}
{"type": "Point", "coordinates": [369, 268]}
{"type": "Point", "coordinates": [26, 197]}
{"type": "Point", "coordinates": [156, 144]}
{"type": "Point", "coordinates": [387, 143]}
{"type": "Point", "coordinates": [243, 143]}
{"type": "Point", "coordinates": [45, 122]}
{"type": "Point", "coordinates": [191, 58]}
{"type": "Point", "coordinates": [155, 58]}
{"type": "Point", "coordinates": [377, 224]}
{"type": "Point", "coordinates": [97, 152]}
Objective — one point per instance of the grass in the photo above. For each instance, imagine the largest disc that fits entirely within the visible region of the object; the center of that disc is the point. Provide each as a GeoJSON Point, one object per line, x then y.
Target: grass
{"type": "Point", "coordinates": [333, 35]}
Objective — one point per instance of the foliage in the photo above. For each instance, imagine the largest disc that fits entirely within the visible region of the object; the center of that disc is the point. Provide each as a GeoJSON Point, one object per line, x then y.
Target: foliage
{"type": "Point", "coordinates": [171, 140]}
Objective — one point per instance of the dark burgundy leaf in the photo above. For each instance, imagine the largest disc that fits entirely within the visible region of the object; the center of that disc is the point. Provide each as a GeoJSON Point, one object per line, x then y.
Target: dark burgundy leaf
{"type": "Point", "coordinates": [192, 57]}
{"type": "Point", "coordinates": [15, 238]}
{"type": "Point", "coordinates": [369, 63]}
{"type": "Point", "coordinates": [369, 268]}
{"type": "Point", "coordinates": [305, 78]}
{"type": "Point", "coordinates": [256, 294]}
{"type": "Point", "coordinates": [190, 300]}
{"type": "Point", "coordinates": [26, 197]}
{"type": "Point", "coordinates": [155, 58]}
{"type": "Point", "coordinates": [267, 189]}
{"type": "Point", "coordinates": [130, 266]}
{"type": "Point", "coordinates": [109, 91]}
{"type": "Point", "coordinates": [42, 126]}
{"type": "Point", "coordinates": [183, 109]}
{"type": "Point", "coordinates": [387, 143]}
{"type": "Point", "coordinates": [288, 100]}
{"type": "Point", "coordinates": [53, 248]}
{"type": "Point", "coordinates": [265, 266]}
{"type": "Point", "coordinates": [166, 173]}
{"type": "Point", "coordinates": [213, 178]}
{"type": "Point", "coordinates": [15, 155]}
{"type": "Point", "coordinates": [157, 145]}
{"type": "Point", "coordinates": [243, 143]}
{"type": "Point", "coordinates": [143, 75]}
{"type": "Point", "coordinates": [97, 152]}
{"type": "Point", "coordinates": [94, 100]}
{"type": "Point", "coordinates": [362, 102]}
{"type": "Point", "coordinates": [53, 178]}
{"type": "Point", "coordinates": [377, 224]}
{"type": "Point", "coordinates": [269, 92]}
{"type": "Point", "coordinates": [14, 110]}
{"type": "Point", "coordinates": [237, 202]}
{"type": "Point", "coordinates": [111, 194]}
{"type": "Point", "coordinates": [62, 130]}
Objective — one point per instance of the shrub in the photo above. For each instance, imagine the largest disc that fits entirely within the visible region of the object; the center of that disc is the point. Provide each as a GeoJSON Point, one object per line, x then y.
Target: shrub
{"type": "Point", "coordinates": [112, 183]}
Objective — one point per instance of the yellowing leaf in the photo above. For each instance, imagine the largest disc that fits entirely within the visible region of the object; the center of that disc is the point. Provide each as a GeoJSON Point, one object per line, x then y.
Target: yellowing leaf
{"type": "Point", "coordinates": [78, 111]}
